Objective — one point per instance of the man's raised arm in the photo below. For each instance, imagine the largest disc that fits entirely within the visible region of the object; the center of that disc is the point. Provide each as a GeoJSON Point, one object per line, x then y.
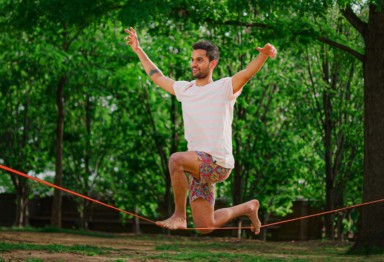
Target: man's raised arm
{"type": "Point", "coordinates": [242, 77]}
{"type": "Point", "coordinates": [150, 68]}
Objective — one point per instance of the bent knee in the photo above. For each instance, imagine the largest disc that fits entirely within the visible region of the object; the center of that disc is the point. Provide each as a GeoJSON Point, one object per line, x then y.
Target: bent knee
{"type": "Point", "coordinates": [175, 160]}
{"type": "Point", "coordinates": [204, 230]}
{"type": "Point", "coordinates": [176, 157]}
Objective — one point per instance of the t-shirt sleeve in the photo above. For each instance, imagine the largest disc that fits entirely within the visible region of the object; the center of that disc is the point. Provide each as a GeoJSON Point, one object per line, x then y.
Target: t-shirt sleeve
{"type": "Point", "coordinates": [179, 88]}
{"type": "Point", "coordinates": [229, 89]}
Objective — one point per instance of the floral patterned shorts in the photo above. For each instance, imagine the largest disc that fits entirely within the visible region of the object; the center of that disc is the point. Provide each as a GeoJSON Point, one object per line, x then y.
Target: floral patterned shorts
{"type": "Point", "coordinates": [210, 174]}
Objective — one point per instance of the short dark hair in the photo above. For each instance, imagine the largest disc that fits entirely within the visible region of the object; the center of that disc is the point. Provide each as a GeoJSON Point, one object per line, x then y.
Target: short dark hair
{"type": "Point", "coordinates": [210, 48]}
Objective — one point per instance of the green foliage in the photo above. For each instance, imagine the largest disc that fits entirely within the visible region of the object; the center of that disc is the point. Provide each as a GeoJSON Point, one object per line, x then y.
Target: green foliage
{"type": "Point", "coordinates": [6, 184]}
{"type": "Point", "coordinates": [119, 128]}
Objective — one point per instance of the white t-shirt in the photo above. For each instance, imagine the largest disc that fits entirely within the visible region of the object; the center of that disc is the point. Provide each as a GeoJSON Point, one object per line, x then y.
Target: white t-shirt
{"type": "Point", "coordinates": [208, 115]}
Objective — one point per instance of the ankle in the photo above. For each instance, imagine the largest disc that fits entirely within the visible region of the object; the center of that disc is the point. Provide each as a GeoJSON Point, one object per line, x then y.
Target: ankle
{"type": "Point", "coordinates": [180, 216]}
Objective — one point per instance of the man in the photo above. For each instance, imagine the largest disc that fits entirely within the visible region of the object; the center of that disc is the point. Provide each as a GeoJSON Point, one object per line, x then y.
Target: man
{"type": "Point", "coordinates": [207, 113]}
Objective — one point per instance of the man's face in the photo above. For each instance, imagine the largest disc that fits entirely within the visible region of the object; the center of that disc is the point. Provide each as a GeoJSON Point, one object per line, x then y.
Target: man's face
{"type": "Point", "coordinates": [200, 64]}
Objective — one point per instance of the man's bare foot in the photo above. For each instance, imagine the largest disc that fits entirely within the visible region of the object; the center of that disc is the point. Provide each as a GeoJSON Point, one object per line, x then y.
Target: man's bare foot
{"type": "Point", "coordinates": [253, 216]}
{"type": "Point", "coordinates": [174, 222]}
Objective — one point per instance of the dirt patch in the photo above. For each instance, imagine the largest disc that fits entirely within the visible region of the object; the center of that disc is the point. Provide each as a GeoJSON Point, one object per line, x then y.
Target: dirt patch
{"type": "Point", "coordinates": [22, 255]}
{"type": "Point", "coordinates": [130, 247]}
{"type": "Point", "coordinates": [117, 242]}
{"type": "Point", "coordinates": [119, 247]}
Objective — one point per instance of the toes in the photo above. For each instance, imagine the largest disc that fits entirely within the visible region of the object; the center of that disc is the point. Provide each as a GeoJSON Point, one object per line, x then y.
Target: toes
{"type": "Point", "coordinates": [255, 229]}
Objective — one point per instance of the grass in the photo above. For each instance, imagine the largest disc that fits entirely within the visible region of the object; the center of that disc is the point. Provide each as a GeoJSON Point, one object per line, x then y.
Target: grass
{"type": "Point", "coordinates": [210, 257]}
{"type": "Point", "coordinates": [126, 247]}
{"type": "Point", "coordinates": [55, 248]}
{"type": "Point", "coordinates": [365, 251]}
{"type": "Point", "coordinates": [250, 251]}
{"type": "Point", "coordinates": [59, 230]}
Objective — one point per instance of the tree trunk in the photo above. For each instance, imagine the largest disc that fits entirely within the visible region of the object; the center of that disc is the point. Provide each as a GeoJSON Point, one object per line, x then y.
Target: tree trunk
{"type": "Point", "coordinates": [237, 186]}
{"type": "Point", "coordinates": [136, 222]}
{"type": "Point", "coordinates": [339, 202]}
{"type": "Point", "coordinates": [159, 144]}
{"type": "Point", "coordinates": [57, 201]}
{"type": "Point", "coordinates": [22, 199]}
{"type": "Point", "coordinates": [372, 216]}
{"type": "Point", "coordinates": [174, 143]}
{"type": "Point", "coordinates": [15, 153]}
{"type": "Point", "coordinates": [85, 205]}
{"type": "Point", "coordinates": [329, 205]}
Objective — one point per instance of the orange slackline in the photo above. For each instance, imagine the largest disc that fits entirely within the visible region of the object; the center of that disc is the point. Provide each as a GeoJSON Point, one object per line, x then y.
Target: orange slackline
{"type": "Point", "coordinates": [304, 217]}
{"type": "Point", "coordinates": [72, 192]}
{"type": "Point", "coordinates": [148, 220]}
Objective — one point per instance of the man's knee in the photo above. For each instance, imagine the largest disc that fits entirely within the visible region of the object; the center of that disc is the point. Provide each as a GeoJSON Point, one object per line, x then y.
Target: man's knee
{"type": "Point", "coordinates": [204, 228]}
{"type": "Point", "coordinates": [204, 231]}
{"type": "Point", "coordinates": [176, 161]}
{"type": "Point", "coordinates": [184, 162]}
{"type": "Point", "coordinates": [203, 216]}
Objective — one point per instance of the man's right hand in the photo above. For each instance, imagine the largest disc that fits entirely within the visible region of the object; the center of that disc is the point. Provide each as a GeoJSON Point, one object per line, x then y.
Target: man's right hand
{"type": "Point", "coordinates": [150, 68]}
{"type": "Point", "coordinates": [132, 39]}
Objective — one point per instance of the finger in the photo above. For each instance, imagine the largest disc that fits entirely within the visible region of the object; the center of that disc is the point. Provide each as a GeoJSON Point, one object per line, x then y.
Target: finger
{"type": "Point", "coordinates": [133, 30]}
{"type": "Point", "coordinates": [132, 34]}
{"type": "Point", "coordinates": [259, 49]}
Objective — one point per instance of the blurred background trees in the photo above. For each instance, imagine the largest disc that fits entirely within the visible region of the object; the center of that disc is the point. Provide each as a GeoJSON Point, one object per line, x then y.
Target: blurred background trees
{"type": "Point", "coordinates": [75, 101]}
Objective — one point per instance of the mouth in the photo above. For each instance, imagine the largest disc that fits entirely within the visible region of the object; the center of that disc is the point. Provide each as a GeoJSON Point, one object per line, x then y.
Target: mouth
{"type": "Point", "coordinates": [195, 70]}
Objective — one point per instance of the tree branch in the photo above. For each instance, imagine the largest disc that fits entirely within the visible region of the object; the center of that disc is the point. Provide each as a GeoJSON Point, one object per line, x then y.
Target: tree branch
{"type": "Point", "coordinates": [342, 47]}
{"type": "Point", "coordinates": [354, 20]}
{"type": "Point", "coordinates": [68, 44]}
{"type": "Point", "coordinates": [348, 13]}
{"type": "Point", "coordinates": [239, 23]}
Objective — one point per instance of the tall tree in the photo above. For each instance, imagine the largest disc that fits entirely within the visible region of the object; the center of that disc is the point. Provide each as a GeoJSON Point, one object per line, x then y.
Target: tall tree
{"type": "Point", "coordinates": [306, 22]}
{"type": "Point", "coordinates": [331, 100]}
{"type": "Point", "coordinates": [372, 31]}
{"type": "Point", "coordinates": [23, 129]}
{"type": "Point", "coordinates": [59, 23]}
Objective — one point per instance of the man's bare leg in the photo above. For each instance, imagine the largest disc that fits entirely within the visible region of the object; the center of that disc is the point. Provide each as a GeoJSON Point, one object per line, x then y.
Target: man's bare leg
{"type": "Point", "coordinates": [204, 215]}
{"type": "Point", "coordinates": [179, 163]}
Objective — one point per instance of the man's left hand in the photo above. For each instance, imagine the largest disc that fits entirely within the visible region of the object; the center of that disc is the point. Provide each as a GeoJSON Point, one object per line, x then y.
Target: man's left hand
{"type": "Point", "coordinates": [268, 50]}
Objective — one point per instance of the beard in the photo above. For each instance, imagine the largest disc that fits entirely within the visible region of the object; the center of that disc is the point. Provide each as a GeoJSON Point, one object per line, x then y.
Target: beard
{"type": "Point", "coordinates": [201, 74]}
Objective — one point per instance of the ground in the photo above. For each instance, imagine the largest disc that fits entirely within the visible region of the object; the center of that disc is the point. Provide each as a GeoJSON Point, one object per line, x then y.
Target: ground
{"type": "Point", "coordinates": [45, 246]}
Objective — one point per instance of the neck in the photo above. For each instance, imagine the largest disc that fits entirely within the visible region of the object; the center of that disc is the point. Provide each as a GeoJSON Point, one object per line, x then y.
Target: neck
{"type": "Point", "coordinates": [204, 81]}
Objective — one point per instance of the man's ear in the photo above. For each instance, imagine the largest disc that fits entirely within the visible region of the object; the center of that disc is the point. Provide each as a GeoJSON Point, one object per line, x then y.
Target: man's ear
{"type": "Point", "coordinates": [214, 63]}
